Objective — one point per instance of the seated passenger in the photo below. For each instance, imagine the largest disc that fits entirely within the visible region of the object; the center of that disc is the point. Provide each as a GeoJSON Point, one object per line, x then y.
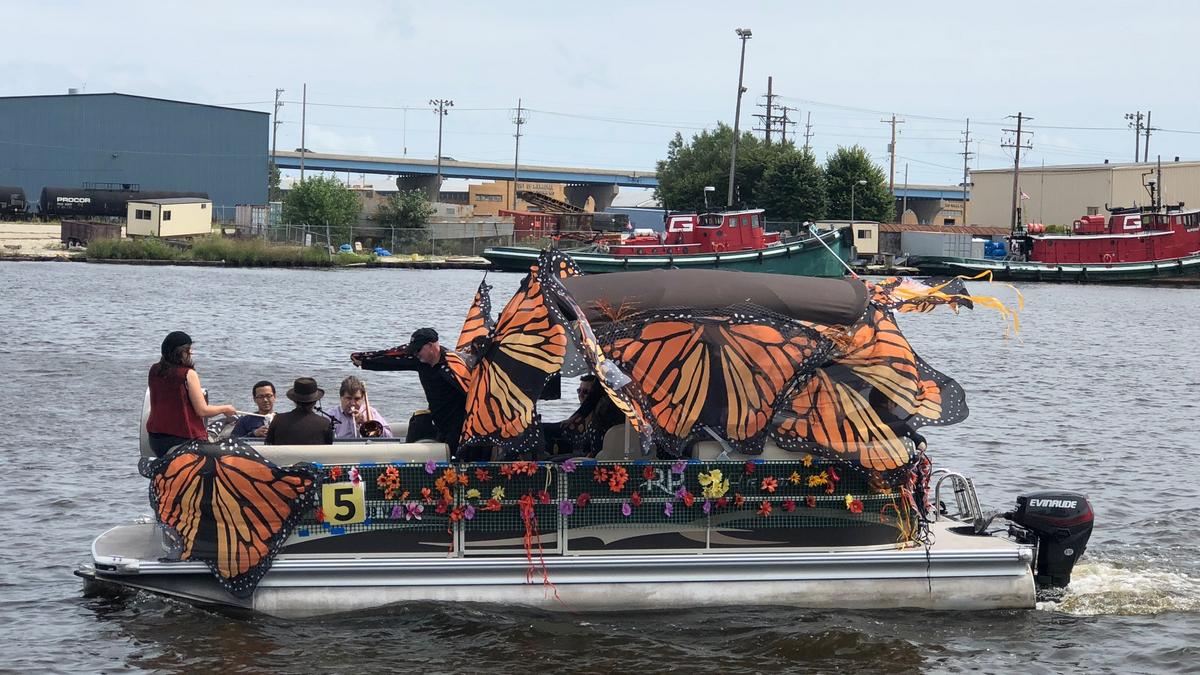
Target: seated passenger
{"type": "Point", "coordinates": [354, 410]}
{"type": "Point", "coordinates": [304, 425]}
{"type": "Point", "coordinates": [583, 432]}
{"type": "Point", "coordinates": [256, 425]}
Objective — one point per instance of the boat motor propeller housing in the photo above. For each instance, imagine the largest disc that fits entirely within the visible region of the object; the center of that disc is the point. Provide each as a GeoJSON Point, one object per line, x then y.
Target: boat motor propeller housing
{"type": "Point", "coordinates": [1060, 524]}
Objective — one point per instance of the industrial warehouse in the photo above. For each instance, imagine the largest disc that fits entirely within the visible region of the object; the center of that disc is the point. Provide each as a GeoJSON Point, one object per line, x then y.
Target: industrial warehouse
{"type": "Point", "coordinates": [110, 148]}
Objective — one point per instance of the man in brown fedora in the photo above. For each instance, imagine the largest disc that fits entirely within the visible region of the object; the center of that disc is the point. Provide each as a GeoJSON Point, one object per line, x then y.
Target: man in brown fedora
{"type": "Point", "coordinates": [304, 425]}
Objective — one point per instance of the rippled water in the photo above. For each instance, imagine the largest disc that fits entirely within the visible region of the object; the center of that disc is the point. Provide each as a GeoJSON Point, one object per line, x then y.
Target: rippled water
{"type": "Point", "coordinates": [1098, 393]}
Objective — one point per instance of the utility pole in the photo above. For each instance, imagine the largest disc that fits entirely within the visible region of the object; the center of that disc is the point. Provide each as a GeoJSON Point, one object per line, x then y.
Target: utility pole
{"type": "Point", "coordinates": [904, 203]}
{"type": "Point", "coordinates": [784, 121]}
{"type": "Point", "coordinates": [517, 120]}
{"type": "Point", "coordinates": [303, 125]}
{"type": "Point", "coordinates": [1016, 194]}
{"type": "Point", "coordinates": [966, 153]}
{"type": "Point", "coordinates": [892, 153]}
{"type": "Point", "coordinates": [440, 105]}
{"type": "Point", "coordinates": [768, 119]}
{"type": "Point", "coordinates": [274, 134]}
{"type": "Point", "coordinates": [1135, 123]}
{"type": "Point", "coordinates": [1146, 146]}
{"type": "Point", "coordinates": [808, 133]}
{"type": "Point", "coordinates": [743, 35]}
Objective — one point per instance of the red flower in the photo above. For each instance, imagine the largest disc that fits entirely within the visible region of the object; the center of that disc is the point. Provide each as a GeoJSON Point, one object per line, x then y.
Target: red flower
{"type": "Point", "coordinates": [856, 506]}
{"type": "Point", "coordinates": [810, 501]}
{"type": "Point", "coordinates": [789, 505]}
{"type": "Point", "coordinates": [492, 505]}
{"type": "Point", "coordinates": [769, 484]}
{"type": "Point", "coordinates": [688, 498]}
{"type": "Point", "coordinates": [427, 495]}
{"type": "Point", "coordinates": [482, 475]}
{"type": "Point", "coordinates": [738, 499]}
{"type": "Point", "coordinates": [765, 509]}
{"type": "Point", "coordinates": [583, 499]}
{"type": "Point", "coordinates": [722, 502]}
{"type": "Point", "coordinates": [617, 477]}
{"type": "Point", "coordinates": [457, 514]}
{"type": "Point", "coordinates": [335, 473]}
{"type": "Point", "coordinates": [442, 507]}
{"type": "Point", "coordinates": [749, 467]}
{"type": "Point", "coordinates": [526, 504]}
{"type": "Point", "coordinates": [543, 497]}
{"type": "Point", "coordinates": [600, 474]}
{"type": "Point", "coordinates": [507, 471]}
{"type": "Point", "coordinates": [833, 475]}
{"type": "Point", "coordinates": [635, 499]}
{"type": "Point", "coordinates": [320, 515]}
{"type": "Point", "coordinates": [648, 473]}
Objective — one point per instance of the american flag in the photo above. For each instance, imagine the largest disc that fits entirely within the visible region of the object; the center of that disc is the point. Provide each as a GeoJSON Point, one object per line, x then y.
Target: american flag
{"type": "Point", "coordinates": [1023, 195]}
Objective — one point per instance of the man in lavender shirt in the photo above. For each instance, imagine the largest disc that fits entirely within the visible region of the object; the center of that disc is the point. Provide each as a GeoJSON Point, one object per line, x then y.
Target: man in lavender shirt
{"type": "Point", "coordinates": [352, 410]}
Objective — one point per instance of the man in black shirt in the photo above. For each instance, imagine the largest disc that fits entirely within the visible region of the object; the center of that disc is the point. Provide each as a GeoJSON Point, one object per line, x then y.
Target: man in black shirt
{"type": "Point", "coordinates": [304, 425]}
{"type": "Point", "coordinates": [443, 377]}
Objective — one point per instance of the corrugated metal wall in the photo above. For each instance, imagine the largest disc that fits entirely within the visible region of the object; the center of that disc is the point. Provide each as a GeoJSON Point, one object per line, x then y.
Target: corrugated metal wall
{"type": "Point", "coordinates": [66, 141]}
{"type": "Point", "coordinates": [1060, 195]}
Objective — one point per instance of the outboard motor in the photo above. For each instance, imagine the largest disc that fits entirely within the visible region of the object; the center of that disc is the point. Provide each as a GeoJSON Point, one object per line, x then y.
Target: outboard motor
{"type": "Point", "coordinates": [1060, 524]}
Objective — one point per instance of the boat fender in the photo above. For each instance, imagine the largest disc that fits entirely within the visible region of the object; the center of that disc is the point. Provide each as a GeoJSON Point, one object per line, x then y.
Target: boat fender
{"type": "Point", "coordinates": [718, 247]}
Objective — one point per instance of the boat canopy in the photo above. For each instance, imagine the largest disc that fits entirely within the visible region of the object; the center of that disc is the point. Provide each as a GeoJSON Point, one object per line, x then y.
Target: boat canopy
{"type": "Point", "coordinates": [826, 301]}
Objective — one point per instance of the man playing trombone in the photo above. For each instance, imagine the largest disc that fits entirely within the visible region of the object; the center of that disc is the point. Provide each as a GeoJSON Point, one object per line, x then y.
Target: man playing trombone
{"type": "Point", "coordinates": [355, 417]}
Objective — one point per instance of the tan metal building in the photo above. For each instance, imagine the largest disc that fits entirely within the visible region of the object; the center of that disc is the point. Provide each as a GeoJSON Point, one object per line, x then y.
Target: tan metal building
{"type": "Point", "coordinates": [175, 217]}
{"type": "Point", "coordinates": [1058, 195]}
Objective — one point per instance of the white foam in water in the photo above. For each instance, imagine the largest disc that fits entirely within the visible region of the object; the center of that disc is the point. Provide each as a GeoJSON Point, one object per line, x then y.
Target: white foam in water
{"type": "Point", "coordinates": [1104, 588]}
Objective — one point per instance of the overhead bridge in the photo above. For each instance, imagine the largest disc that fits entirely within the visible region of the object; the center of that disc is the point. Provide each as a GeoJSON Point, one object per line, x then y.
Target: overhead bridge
{"type": "Point", "coordinates": [457, 169]}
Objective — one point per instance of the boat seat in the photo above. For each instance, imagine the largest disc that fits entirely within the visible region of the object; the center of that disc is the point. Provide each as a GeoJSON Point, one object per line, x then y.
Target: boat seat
{"type": "Point", "coordinates": [355, 453]}
{"type": "Point", "coordinates": [711, 450]}
{"type": "Point", "coordinates": [616, 442]}
{"type": "Point", "coordinates": [615, 447]}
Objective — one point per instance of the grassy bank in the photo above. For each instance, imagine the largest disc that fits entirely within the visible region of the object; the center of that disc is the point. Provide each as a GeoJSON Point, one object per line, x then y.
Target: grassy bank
{"type": "Point", "coordinates": [246, 252]}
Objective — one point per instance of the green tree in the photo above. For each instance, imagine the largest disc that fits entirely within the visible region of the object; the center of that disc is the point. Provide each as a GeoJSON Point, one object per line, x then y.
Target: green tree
{"type": "Point", "coordinates": [274, 193]}
{"type": "Point", "coordinates": [407, 212]}
{"type": "Point", "coordinates": [872, 201]}
{"type": "Point", "coordinates": [793, 188]}
{"type": "Point", "coordinates": [704, 161]}
{"type": "Point", "coordinates": [320, 202]}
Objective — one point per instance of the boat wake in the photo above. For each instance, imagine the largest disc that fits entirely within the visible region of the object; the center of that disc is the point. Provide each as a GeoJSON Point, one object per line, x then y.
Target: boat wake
{"type": "Point", "coordinates": [1108, 588]}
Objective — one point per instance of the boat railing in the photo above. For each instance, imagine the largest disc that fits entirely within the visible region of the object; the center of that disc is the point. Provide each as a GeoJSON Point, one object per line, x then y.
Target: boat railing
{"type": "Point", "coordinates": [966, 501]}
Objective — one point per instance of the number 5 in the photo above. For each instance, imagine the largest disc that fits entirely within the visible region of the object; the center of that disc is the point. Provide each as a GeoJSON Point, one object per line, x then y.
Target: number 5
{"type": "Point", "coordinates": [343, 503]}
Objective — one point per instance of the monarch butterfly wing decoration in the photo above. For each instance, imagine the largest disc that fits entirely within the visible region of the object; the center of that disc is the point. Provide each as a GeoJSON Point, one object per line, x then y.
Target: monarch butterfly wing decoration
{"type": "Point", "coordinates": [478, 327]}
{"type": "Point", "coordinates": [719, 371]}
{"type": "Point", "coordinates": [526, 348]}
{"type": "Point", "coordinates": [229, 507]}
{"type": "Point", "coordinates": [621, 390]}
{"type": "Point", "coordinates": [832, 417]}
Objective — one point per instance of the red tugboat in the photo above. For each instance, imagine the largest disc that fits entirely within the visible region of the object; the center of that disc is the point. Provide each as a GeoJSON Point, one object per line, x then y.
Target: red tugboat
{"type": "Point", "coordinates": [1134, 244]}
{"type": "Point", "coordinates": [734, 240]}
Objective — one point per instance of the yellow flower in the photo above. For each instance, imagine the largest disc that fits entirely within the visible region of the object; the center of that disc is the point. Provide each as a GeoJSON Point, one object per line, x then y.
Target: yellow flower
{"type": "Point", "coordinates": [473, 494]}
{"type": "Point", "coordinates": [715, 485]}
{"type": "Point", "coordinates": [795, 478]}
{"type": "Point", "coordinates": [817, 480]}
{"type": "Point", "coordinates": [808, 459]}
{"type": "Point", "coordinates": [498, 492]}
{"type": "Point", "coordinates": [849, 500]}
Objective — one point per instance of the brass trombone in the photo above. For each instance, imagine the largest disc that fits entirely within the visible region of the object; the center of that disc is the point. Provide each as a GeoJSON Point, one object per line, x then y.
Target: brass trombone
{"type": "Point", "coordinates": [370, 428]}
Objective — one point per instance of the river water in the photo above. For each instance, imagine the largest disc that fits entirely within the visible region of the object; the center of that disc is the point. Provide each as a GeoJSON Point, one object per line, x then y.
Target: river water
{"type": "Point", "coordinates": [1097, 393]}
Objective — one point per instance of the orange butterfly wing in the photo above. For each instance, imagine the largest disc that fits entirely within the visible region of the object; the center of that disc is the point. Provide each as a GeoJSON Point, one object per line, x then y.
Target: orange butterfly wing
{"type": "Point", "coordinates": [231, 508]}
{"type": "Point", "coordinates": [479, 324]}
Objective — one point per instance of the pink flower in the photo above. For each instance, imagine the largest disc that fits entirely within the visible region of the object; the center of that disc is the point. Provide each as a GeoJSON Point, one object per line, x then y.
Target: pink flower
{"type": "Point", "coordinates": [566, 507]}
{"type": "Point", "coordinates": [626, 509]}
{"type": "Point", "coordinates": [669, 509]}
{"type": "Point", "coordinates": [678, 467]}
{"type": "Point", "coordinates": [568, 466]}
{"type": "Point", "coordinates": [469, 512]}
{"type": "Point", "coordinates": [430, 467]}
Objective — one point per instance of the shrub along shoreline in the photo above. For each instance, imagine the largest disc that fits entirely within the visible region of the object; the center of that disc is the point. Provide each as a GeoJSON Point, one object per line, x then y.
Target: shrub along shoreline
{"type": "Point", "coordinates": [237, 252]}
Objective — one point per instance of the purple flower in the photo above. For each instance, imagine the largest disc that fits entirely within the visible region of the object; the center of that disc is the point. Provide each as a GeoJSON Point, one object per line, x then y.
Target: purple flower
{"type": "Point", "coordinates": [566, 507]}
{"type": "Point", "coordinates": [626, 509]}
{"type": "Point", "coordinates": [413, 510]}
{"type": "Point", "coordinates": [469, 512]}
{"type": "Point", "coordinates": [680, 492]}
{"type": "Point", "coordinates": [430, 467]}
{"type": "Point", "coordinates": [397, 512]}
{"type": "Point", "coordinates": [679, 466]}
{"type": "Point", "coordinates": [568, 466]}
{"type": "Point", "coordinates": [707, 508]}
{"type": "Point", "coordinates": [669, 509]}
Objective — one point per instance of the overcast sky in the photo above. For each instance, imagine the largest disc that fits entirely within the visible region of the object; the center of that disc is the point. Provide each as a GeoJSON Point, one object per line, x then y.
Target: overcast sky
{"type": "Point", "coordinates": [607, 84]}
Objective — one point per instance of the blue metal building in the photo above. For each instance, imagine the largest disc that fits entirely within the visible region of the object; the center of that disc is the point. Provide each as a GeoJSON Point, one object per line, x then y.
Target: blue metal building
{"type": "Point", "coordinates": [84, 140]}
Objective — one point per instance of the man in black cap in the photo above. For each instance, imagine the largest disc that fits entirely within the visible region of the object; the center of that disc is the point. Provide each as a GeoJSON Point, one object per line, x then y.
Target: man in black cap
{"type": "Point", "coordinates": [443, 377]}
{"type": "Point", "coordinates": [304, 425]}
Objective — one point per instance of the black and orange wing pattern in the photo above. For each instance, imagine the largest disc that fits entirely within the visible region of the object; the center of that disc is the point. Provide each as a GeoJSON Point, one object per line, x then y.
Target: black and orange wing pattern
{"type": "Point", "coordinates": [229, 507]}
{"type": "Point", "coordinates": [525, 349]}
{"type": "Point", "coordinates": [477, 329]}
{"type": "Point", "coordinates": [619, 387]}
{"type": "Point", "coordinates": [724, 370]}
{"type": "Point", "coordinates": [831, 415]}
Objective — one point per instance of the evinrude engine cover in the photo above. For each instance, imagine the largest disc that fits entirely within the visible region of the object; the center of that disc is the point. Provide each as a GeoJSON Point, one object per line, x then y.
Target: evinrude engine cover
{"type": "Point", "coordinates": [1062, 523]}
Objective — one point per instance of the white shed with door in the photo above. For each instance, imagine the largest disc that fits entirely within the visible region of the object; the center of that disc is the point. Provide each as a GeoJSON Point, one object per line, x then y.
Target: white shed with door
{"type": "Point", "coordinates": [176, 217]}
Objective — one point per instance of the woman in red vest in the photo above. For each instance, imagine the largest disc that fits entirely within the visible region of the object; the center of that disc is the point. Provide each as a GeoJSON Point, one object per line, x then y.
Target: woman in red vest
{"type": "Point", "coordinates": [177, 405]}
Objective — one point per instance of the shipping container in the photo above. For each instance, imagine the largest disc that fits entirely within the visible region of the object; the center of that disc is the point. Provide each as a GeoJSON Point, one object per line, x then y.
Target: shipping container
{"type": "Point", "coordinates": [937, 245]}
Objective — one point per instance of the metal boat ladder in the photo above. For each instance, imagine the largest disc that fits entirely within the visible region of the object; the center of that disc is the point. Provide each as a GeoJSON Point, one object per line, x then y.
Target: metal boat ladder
{"type": "Point", "coordinates": [966, 503]}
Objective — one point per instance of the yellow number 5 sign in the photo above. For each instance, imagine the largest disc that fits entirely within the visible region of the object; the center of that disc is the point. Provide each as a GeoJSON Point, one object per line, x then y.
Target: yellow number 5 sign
{"type": "Point", "coordinates": [342, 503]}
